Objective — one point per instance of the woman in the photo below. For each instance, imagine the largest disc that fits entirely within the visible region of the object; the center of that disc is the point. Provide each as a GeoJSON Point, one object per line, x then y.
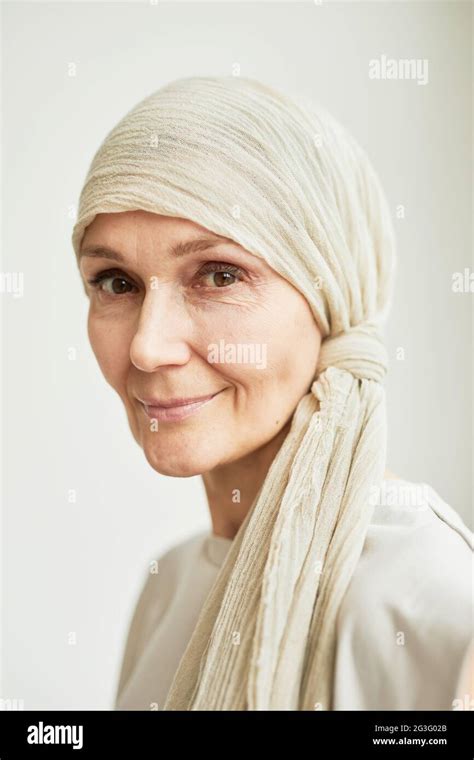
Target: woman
{"type": "Point", "coordinates": [238, 254]}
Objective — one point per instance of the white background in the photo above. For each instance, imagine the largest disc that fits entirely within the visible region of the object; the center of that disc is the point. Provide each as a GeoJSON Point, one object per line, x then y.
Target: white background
{"type": "Point", "coordinates": [77, 567]}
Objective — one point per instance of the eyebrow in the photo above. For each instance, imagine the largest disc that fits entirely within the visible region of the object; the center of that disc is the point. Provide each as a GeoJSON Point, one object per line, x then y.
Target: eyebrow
{"type": "Point", "coordinates": [176, 250]}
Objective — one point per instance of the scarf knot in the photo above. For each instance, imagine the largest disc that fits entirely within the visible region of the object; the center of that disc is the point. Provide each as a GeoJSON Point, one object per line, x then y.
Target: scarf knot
{"type": "Point", "coordinates": [360, 350]}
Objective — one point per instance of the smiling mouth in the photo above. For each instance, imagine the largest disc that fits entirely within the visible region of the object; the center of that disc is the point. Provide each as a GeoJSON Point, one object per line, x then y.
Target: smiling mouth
{"type": "Point", "coordinates": [179, 410]}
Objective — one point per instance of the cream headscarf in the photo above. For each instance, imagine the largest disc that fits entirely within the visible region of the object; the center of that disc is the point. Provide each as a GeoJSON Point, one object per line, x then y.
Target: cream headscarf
{"type": "Point", "coordinates": [283, 179]}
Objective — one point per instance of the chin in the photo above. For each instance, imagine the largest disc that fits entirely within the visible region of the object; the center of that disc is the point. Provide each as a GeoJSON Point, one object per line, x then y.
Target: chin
{"type": "Point", "coordinates": [179, 465]}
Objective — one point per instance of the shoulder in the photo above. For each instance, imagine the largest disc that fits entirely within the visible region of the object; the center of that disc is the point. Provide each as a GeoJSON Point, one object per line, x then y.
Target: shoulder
{"type": "Point", "coordinates": [165, 570]}
{"type": "Point", "coordinates": [408, 608]}
{"type": "Point", "coordinates": [417, 539]}
{"type": "Point", "coordinates": [157, 587]}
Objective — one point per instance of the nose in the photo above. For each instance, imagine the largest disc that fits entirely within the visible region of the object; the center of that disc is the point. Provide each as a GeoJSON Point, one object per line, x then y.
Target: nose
{"type": "Point", "coordinates": [161, 336]}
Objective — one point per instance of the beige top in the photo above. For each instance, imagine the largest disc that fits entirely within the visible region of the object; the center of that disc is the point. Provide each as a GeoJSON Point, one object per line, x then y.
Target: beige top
{"type": "Point", "coordinates": [404, 626]}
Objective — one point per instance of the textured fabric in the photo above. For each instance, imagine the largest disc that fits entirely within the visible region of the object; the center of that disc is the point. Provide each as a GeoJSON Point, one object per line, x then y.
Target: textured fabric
{"type": "Point", "coordinates": [403, 627]}
{"type": "Point", "coordinates": [283, 179]}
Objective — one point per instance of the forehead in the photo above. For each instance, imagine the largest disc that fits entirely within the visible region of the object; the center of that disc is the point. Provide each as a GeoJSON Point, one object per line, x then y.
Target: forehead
{"type": "Point", "coordinates": [131, 223]}
{"type": "Point", "coordinates": [125, 236]}
{"type": "Point", "coordinates": [133, 237]}
{"type": "Point", "coordinates": [132, 233]}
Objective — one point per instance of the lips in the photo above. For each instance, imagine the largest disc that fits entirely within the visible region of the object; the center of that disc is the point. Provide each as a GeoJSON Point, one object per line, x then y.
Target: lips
{"type": "Point", "coordinates": [175, 409]}
{"type": "Point", "coordinates": [180, 401]}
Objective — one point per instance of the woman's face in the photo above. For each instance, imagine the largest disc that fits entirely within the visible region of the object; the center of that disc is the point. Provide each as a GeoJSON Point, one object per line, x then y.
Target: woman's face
{"type": "Point", "coordinates": [178, 312]}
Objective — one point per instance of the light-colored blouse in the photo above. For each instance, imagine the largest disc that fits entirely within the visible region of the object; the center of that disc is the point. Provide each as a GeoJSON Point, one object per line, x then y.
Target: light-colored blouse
{"type": "Point", "coordinates": [404, 626]}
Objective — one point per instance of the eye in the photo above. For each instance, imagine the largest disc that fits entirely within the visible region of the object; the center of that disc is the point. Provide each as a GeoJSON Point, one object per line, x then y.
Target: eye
{"type": "Point", "coordinates": [220, 275]}
{"type": "Point", "coordinates": [112, 282]}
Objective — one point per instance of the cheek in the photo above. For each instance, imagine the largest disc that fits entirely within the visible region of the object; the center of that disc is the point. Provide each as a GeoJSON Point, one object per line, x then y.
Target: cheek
{"type": "Point", "coordinates": [298, 349]}
{"type": "Point", "coordinates": [292, 342]}
{"type": "Point", "coordinates": [235, 342]}
{"type": "Point", "coordinates": [111, 346]}
{"type": "Point", "coordinates": [284, 338]}
{"type": "Point", "coordinates": [282, 328]}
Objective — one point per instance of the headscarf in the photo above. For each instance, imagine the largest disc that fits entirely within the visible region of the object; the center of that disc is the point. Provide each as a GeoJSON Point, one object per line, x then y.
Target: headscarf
{"type": "Point", "coordinates": [281, 177]}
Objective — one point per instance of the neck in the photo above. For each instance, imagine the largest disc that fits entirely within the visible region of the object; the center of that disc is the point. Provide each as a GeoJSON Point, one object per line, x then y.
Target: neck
{"type": "Point", "coordinates": [231, 488]}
